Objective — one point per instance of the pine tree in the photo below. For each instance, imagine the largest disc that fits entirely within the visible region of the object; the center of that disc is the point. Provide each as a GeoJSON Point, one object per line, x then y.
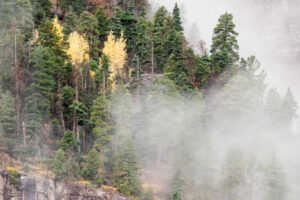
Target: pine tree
{"type": "Point", "coordinates": [224, 48]}
{"type": "Point", "coordinates": [58, 165]}
{"type": "Point", "coordinates": [100, 120]}
{"type": "Point", "coordinates": [7, 117]}
{"type": "Point", "coordinates": [289, 108]}
{"type": "Point", "coordinates": [92, 165]}
{"type": "Point", "coordinates": [159, 38]}
{"type": "Point", "coordinates": [103, 23]}
{"type": "Point", "coordinates": [88, 25]}
{"type": "Point", "coordinates": [275, 181]}
{"type": "Point", "coordinates": [202, 70]}
{"type": "Point", "coordinates": [177, 19]}
{"type": "Point", "coordinates": [127, 171]}
{"type": "Point", "coordinates": [77, 5]}
{"type": "Point", "coordinates": [116, 25]}
{"type": "Point", "coordinates": [40, 91]}
{"type": "Point", "coordinates": [70, 22]}
{"type": "Point", "coordinates": [177, 186]}
{"type": "Point", "coordinates": [273, 106]}
{"type": "Point", "coordinates": [143, 42]}
{"type": "Point", "coordinates": [129, 22]}
{"type": "Point", "coordinates": [42, 11]}
{"type": "Point", "coordinates": [51, 36]}
{"type": "Point", "coordinates": [233, 173]}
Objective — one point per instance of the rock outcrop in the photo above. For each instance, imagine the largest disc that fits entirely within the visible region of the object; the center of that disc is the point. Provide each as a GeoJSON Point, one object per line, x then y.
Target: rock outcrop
{"type": "Point", "coordinates": [32, 187]}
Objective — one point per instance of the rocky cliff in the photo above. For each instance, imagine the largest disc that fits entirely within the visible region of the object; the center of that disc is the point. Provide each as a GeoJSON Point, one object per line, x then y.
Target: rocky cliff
{"type": "Point", "coordinates": [32, 187]}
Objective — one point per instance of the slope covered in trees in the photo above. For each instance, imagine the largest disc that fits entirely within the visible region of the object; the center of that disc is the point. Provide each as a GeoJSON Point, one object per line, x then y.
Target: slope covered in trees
{"type": "Point", "coordinates": [107, 94]}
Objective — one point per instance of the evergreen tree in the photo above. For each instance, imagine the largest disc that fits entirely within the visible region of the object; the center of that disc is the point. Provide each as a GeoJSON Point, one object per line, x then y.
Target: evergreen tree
{"type": "Point", "coordinates": [127, 170]}
{"type": "Point", "coordinates": [88, 25]}
{"type": "Point", "coordinates": [116, 25]}
{"type": "Point", "coordinates": [275, 181]}
{"type": "Point", "coordinates": [40, 91]}
{"type": "Point", "coordinates": [177, 19]}
{"type": "Point", "coordinates": [202, 70]}
{"type": "Point", "coordinates": [129, 22]}
{"type": "Point", "coordinates": [273, 106]}
{"type": "Point", "coordinates": [233, 174]}
{"type": "Point", "coordinates": [159, 38]}
{"type": "Point", "coordinates": [103, 23]}
{"type": "Point", "coordinates": [58, 165]}
{"type": "Point", "coordinates": [100, 120]}
{"type": "Point", "coordinates": [70, 22]}
{"type": "Point", "coordinates": [136, 68]}
{"type": "Point", "coordinates": [92, 165]}
{"type": "Point", "coordinates": [289, 108]}
{"type": "Point", "coordinates": [77, 5]}
{"type": "Point", "coordinates": [176, 71]}
{"type": "Point", "coordinates": [177, 186]}
{"type": "Point", "coordinates": [224, 46]}
{"type": "Point", "coordinates": [41, 11]}
{"type": "Point", "coordinates": [7, 118]}
{"type": "Point", "coordinates": [143, 41]}
{"type": "Point", "coordinates": [51, 36]}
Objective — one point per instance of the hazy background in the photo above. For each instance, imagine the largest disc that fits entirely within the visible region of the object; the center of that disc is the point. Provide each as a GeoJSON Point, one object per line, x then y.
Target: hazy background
{"type": "Point", "coordinates": [268, 29]}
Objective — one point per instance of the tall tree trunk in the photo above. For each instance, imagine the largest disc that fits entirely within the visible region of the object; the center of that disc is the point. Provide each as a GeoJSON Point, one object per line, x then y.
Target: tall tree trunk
{"type": "Point", "coordinates": [17, 84]}
{"type": "Point", "coordinates": [103, 84]}
{"type": "Point", "coordinates": [24, 133]}
{"type": "Point", "coordinates": [152, 58]}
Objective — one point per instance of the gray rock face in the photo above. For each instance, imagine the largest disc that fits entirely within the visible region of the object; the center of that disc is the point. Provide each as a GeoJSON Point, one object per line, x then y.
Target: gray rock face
{"type": "Point", "coordinates": [39, 188]}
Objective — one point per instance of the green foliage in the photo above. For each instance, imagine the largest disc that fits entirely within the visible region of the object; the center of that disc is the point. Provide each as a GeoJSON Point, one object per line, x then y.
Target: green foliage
{"type": "Point", "coordinates": [128, 22]}
{"type": "Point", "coordinates": [93, 163]}
{"type": "Point", "coordinates": [7, 114]}
{"type": "Point", "coordinates": [77, 5]}
{"type": "Point", "coordinates": [224, 46]}
{"type": "Point", "coordinates": [159, 38]}
{"type": "Point", "coordinates": [68, 142]}
{"type": "Point", "coordinates": [58, 165]}
{"type": "Point", "coordinates": [202, 70]}
{"type": "Point", "coordinates": [49, 38]}
{"type": "Point", "coordinates": [70, 22]}
{"type": "Point", "coordinates": [116, 25]}
{"type": "Point", "coordinates": [177, 186]}
{"type": "Point", "coordinates": [143, 41]}
{"type": "Point", "coordinates": [40, 91]}
{"type": "Point", "coordinates": [127, 170]}
{"type": "Point", "coordinates": [233, 173]}
{"type": "Point", "coordinates": [177, 19]}
{"type": "Point", "coordinates": [42, 11]}
{"type": "Point", "coordinates": [14, 178]}
{"type": "Point", "coordinates": [103, 22]}
{"type": "Point", "coordinates": [136, 68]}
{"type": "Point", "coordinates": [88, 25]}
{"type": "Point", "coordinates": [177, 72]}
{"type": "Point", "coordinates": [275, 180]}
{"type": "Point", "coordinates": [55, 127]}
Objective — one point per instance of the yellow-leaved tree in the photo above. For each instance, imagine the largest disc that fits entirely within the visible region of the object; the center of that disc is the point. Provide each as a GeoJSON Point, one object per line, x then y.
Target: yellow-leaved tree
{"type": "Point", "coordinates": [115, 50]}
{"type": "Point", "coordinates": [78, 51]}
{"type": "Point", "coordinates": [58, 30]}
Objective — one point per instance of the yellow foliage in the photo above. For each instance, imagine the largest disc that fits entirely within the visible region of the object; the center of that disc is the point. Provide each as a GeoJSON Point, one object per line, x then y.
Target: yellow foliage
{"type": "Point", "coordinates": [84, 182]}
{"type": "Point", "coordinates": [115, 50]}
{"type": "Point", "coordinates": [106, 187]}
{"type": "Point", "coordinates": [58, 30]}
{"type": "Point", "coordinates": [78, 49]}
{"type": "Point", "coordinates": [11, 169]}
{"type": "Point", "coordinates": [35, 37]}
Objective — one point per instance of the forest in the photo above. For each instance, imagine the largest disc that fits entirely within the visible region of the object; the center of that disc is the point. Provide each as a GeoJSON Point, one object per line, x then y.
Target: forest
{"type": "Point", "coordinates": [110, 93]}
